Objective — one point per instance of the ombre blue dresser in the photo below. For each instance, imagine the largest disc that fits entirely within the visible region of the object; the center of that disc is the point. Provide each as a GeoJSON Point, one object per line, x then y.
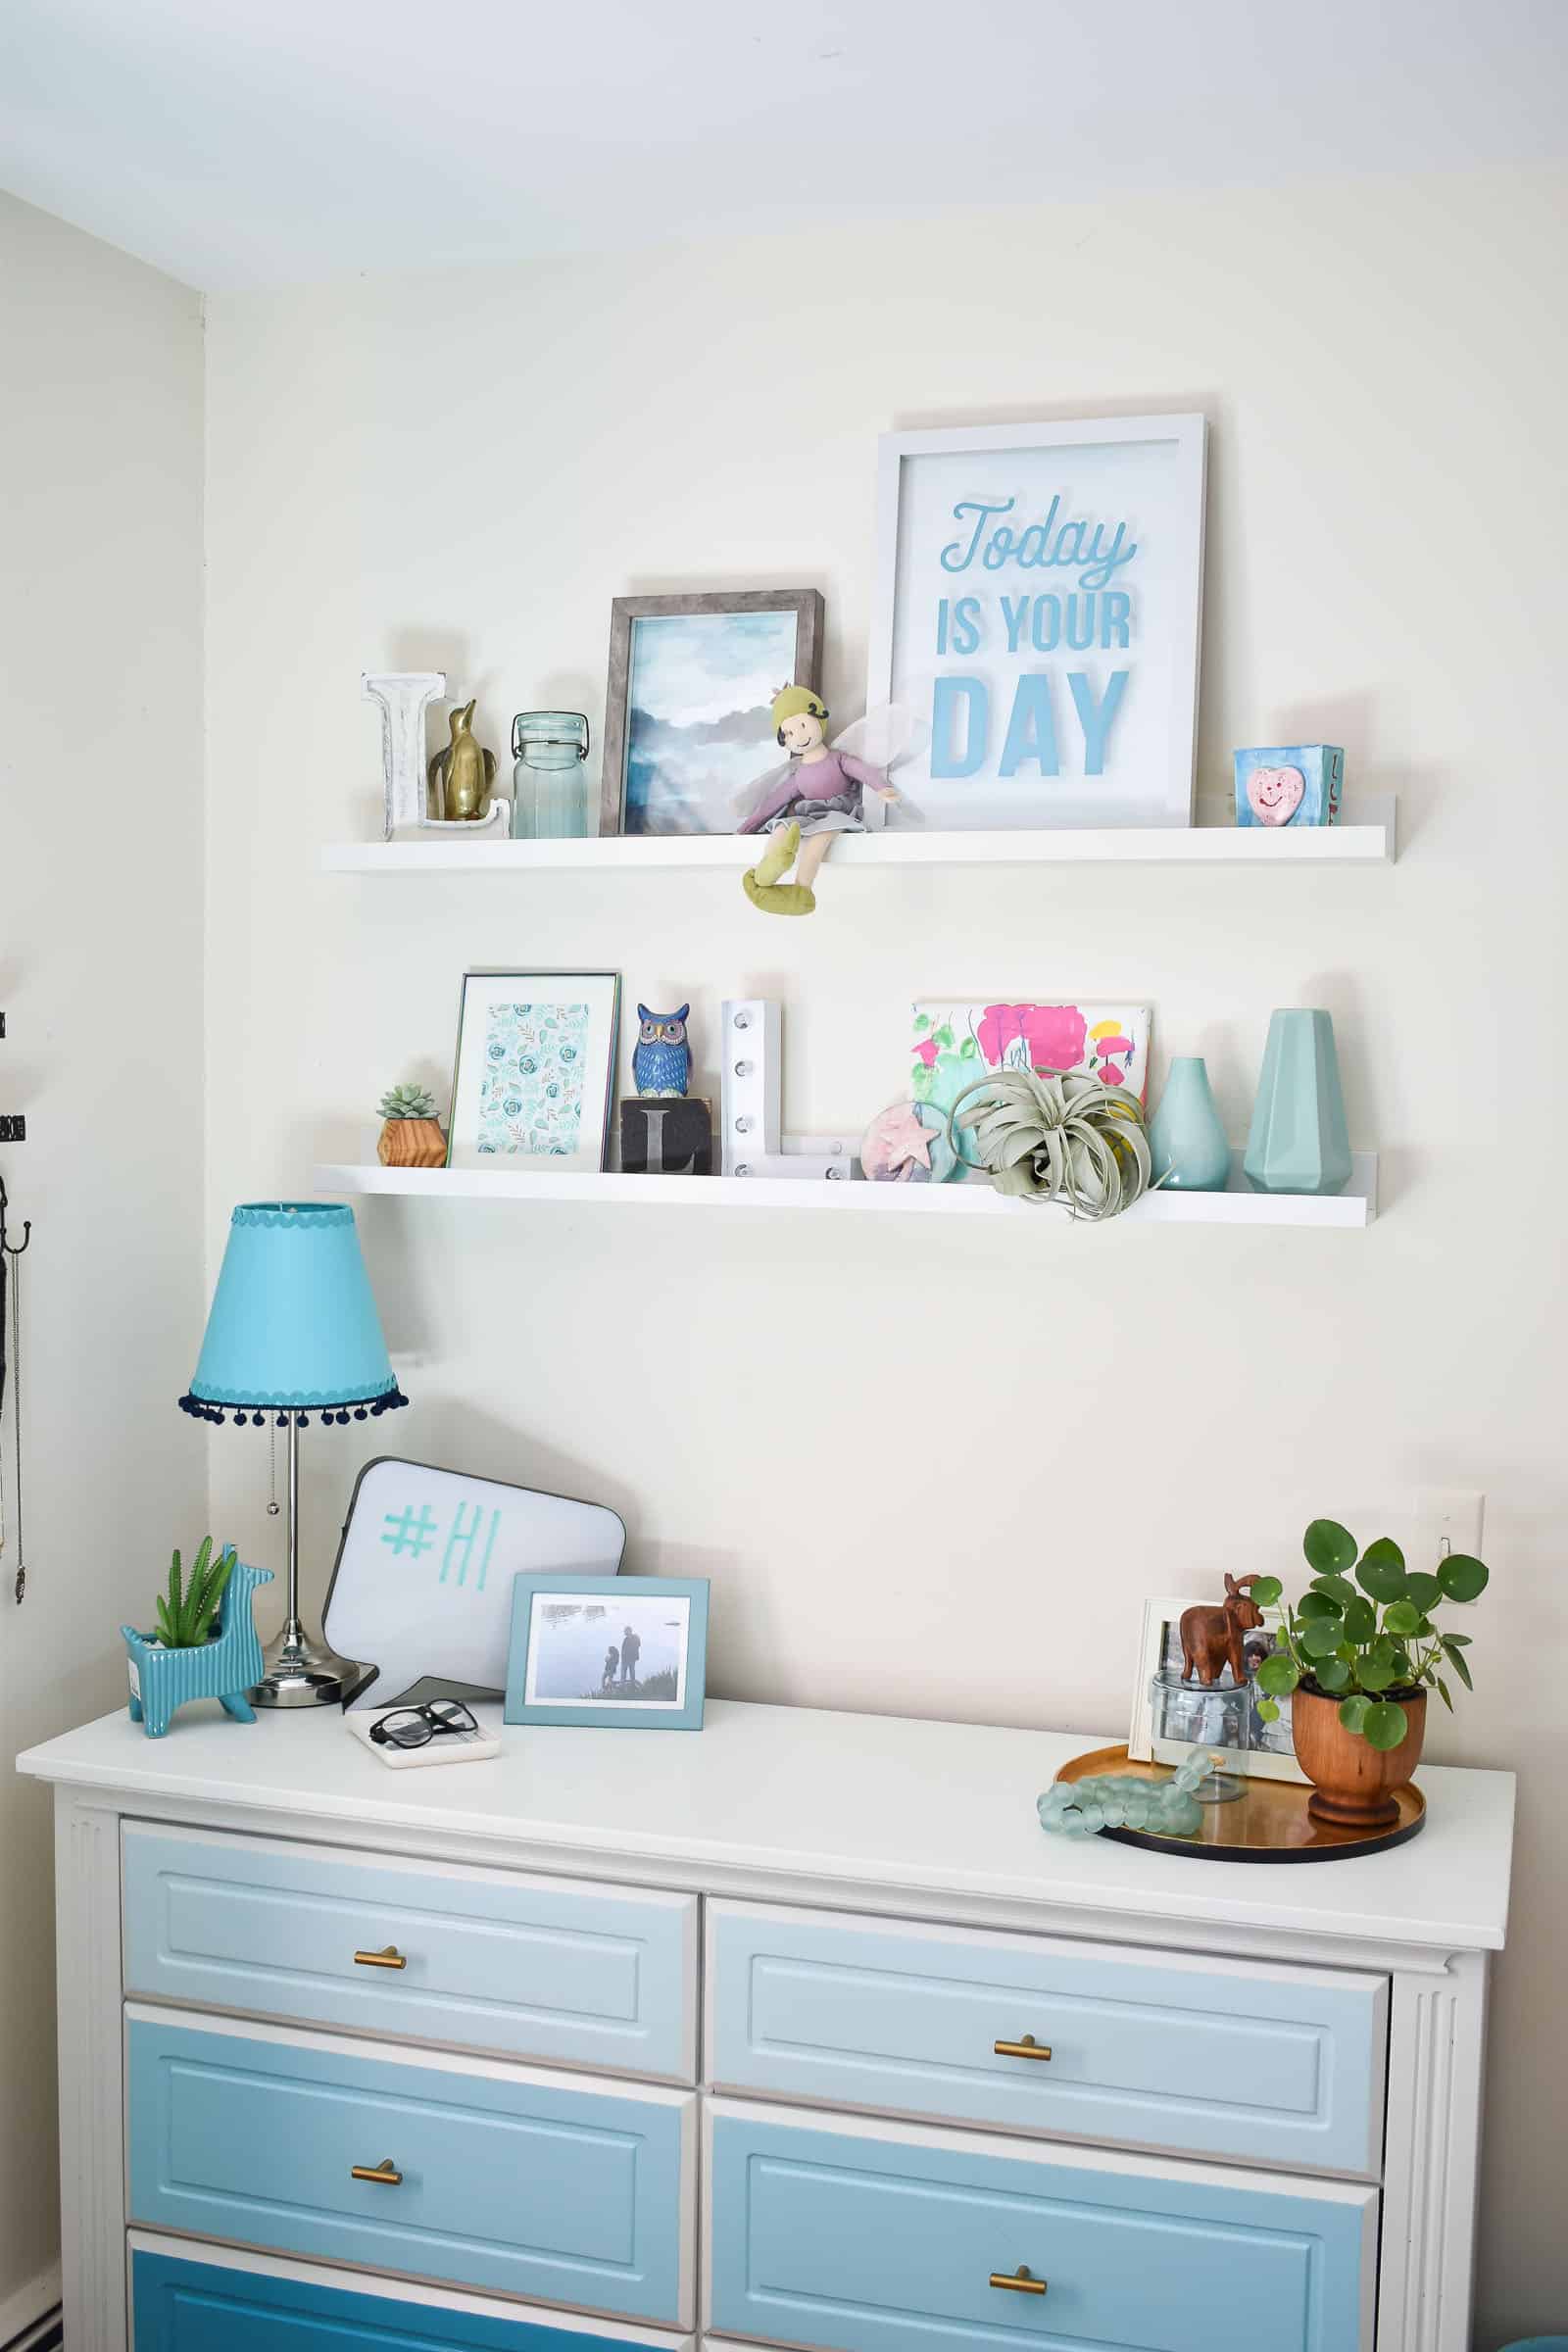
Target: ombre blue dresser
{"type": "Point", "coordinates": [796, 2033]}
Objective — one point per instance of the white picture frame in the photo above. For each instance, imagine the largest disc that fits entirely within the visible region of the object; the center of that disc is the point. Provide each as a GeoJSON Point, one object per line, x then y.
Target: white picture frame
{"type": "Point", "coordinates": [1145, 1741]}
{"type": "Point", "coordinates": [1122, 754]}
{"type": "Point", "coordinates": [539, 1031]}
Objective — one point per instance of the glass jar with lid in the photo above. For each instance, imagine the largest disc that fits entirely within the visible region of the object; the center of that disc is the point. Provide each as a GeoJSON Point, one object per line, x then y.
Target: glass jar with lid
{"type": "Point", "coordinates": [548, 779]}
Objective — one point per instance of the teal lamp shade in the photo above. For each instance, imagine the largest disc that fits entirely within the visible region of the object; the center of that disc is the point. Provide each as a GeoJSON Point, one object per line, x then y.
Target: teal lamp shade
{"type": "Point", "coordinates": [293, 1326]}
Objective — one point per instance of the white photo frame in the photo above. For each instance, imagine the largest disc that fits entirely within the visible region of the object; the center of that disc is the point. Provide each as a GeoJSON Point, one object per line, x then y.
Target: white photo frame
{"type": "Point", "coordinates": [535, 1071]}
{"type": "Point", "coordinates": [1149, 1742]}
{"type": "Point", "coordinates": [986, 533]}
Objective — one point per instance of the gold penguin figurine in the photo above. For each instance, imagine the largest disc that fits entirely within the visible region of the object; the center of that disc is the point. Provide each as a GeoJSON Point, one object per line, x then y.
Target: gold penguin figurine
{"type": "Point", "coordinates": [460, 776]}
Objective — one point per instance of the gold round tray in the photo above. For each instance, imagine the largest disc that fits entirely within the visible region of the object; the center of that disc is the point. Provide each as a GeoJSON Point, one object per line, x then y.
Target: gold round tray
{"type": "Point", "coordinates": [1267, 1823]}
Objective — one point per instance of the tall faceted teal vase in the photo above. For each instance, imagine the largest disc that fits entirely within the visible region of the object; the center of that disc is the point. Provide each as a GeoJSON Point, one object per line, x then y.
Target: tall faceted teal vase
{"type": "Point", "coordinates": [1299, 1141]}
{"type": "Point", "coordinates": [1185, 1136]}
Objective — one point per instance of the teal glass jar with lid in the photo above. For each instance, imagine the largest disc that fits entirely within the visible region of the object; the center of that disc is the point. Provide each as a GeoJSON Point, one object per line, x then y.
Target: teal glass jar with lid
{"type": "Point", "coordinates": [549, 779]}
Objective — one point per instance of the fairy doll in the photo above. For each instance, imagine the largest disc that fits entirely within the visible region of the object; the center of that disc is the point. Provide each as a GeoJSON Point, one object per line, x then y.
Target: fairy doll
{"type": "Point", "coordinates": [820, 792]}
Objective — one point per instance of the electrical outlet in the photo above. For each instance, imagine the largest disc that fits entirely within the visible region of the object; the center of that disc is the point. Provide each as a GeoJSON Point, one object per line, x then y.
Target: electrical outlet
{"type": "Point", "coordinates": [1462, 1522]}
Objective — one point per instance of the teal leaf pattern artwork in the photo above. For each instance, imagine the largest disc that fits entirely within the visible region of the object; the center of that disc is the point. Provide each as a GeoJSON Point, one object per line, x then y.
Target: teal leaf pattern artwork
{"type": "Point", "coordinates": [531, 1093]}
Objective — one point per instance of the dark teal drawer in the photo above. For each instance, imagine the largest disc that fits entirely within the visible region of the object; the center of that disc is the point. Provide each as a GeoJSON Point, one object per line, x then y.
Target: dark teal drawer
{"type": "Point", "coordinates": [557, 1970]}
{"type": "Point", "coordinates": [207, 2302]}
{"type": "Point", "coordinates": [876, 2237]}
{"type": "Point", "coordinates": [481, 2175]}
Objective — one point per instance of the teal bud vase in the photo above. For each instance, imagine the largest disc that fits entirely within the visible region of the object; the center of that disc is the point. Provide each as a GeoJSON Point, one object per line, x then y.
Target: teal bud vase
{"type": "Point", "coordinates": [1185, 1140]}
{"type": "Point", "coordinates": [1299, 1141]}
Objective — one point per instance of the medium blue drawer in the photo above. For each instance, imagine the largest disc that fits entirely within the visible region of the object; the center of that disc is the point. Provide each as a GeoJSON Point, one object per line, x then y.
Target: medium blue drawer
{"type": "Point", "coordinates": [860, 2237]}
{"type": "Point", "coordinates": [531, 1967]}
{"type": "Point", "coordinates": [207, 2301]}
{"type": "Point", "coordinates": [1201, 2057]}
{"type": "Point", "coordinates": [529, 2183]}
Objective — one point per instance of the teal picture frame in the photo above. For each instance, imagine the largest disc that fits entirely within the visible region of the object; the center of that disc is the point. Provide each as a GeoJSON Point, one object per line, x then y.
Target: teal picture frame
{"type": "Point", "coordinates": [599, 1610]}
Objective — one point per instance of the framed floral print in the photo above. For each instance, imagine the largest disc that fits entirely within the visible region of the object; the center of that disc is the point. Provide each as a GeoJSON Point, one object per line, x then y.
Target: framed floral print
{"type": "Point", "coordinates": [536, 1070]}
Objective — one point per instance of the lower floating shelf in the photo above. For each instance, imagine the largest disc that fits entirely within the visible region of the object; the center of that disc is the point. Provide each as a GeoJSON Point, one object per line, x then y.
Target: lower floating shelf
{"type": "Point", "coordinates": [1239, 1205]}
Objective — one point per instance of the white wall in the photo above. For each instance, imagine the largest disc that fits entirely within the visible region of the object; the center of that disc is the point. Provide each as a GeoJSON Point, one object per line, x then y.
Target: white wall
{"type": "Point", "coordinates": [937, 1470]}
{"type": "Point", "coordinates": [101, 980]}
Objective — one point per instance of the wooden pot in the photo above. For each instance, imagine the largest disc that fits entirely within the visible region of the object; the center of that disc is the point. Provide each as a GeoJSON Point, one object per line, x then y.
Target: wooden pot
{"type": "Point", "coordinates": [1352, 1781]}
{"type": "Point", "coordinates": [412, 1143]}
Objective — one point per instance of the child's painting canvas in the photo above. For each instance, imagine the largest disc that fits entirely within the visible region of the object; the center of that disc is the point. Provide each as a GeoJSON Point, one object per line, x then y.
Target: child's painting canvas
{"type": "Point", "coordinates": [953, 1045]}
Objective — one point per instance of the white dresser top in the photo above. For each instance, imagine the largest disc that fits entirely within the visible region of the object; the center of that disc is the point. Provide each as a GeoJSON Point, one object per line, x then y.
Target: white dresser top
{"type": "Point", "coordinates": [940, 1814]}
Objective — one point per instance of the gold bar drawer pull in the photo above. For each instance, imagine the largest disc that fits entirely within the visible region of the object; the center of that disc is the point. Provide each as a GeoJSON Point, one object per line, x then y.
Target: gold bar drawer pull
{"type": "Point", "coordinates": [1022, 2280]}
{"type": "Point", "coordinates": [388, 1957]}
{"type": "Point", "coordinates": [1027, 2049]}
{"type": "Point", "coordinates": [385, 2174]}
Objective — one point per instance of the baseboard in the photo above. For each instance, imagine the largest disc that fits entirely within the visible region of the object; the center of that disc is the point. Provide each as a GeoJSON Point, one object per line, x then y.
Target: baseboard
{"type": "Point", "coordinates": [30, 2318]}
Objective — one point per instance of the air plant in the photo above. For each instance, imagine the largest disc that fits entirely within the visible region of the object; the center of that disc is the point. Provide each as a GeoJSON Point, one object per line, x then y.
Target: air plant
{"type": "Point", "coordinates": [1072, 1140]}
{"type": "Point", "coordinates": [185, 1617]}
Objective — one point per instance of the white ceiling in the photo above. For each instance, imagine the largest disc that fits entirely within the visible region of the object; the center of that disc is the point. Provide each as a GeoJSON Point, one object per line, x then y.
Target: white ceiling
{"type": "Point", "coordinates": [254, 142]}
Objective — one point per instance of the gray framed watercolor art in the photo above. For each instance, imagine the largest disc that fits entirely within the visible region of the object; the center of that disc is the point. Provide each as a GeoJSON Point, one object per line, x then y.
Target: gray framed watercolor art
{"type": "Point", "coordinates": [687, 724]}
{"type": "Point", "coordinates": [1038, 601]}
{"type": "Point", "coordinates": [536, 1070]}
{"type": "Point", "coordinates": [618, 1652]}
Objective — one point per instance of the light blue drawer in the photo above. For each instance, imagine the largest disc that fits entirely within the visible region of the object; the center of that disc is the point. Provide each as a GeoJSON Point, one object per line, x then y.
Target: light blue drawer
{"type": "Point", "coordinates": [206, 2301]}
{"type": "Point", "coordinates": [526, 2182]}
{"type": "Point", "coordinates": [531, 1967]}
{"type": "Point", "coordinates": [1201, 2057]}
{"type": "Point", "coordinates": [861, 2237]}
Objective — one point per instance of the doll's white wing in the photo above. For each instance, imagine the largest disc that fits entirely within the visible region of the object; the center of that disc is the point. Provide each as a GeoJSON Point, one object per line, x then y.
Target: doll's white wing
{"type": "Point", "coordinates": [889, 737]}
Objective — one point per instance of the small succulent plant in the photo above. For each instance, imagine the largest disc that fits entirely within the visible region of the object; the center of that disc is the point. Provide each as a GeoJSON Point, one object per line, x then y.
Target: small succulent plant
{"type": "Point", "coordinates": [408, 1103]}
{"type": "Point", "coordinates": [185, 1616]}
{"type": "Point", "coordinates": [1066, 1139]}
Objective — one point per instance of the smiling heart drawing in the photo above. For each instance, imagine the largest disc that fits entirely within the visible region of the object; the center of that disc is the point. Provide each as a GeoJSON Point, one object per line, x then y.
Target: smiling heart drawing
{"type": "Point", "coordinates": [1275, 794]}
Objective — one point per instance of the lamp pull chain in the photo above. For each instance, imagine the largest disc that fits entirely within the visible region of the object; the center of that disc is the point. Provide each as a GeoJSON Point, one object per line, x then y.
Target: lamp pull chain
{"type": "Point", "coordinates": [272, 1481]}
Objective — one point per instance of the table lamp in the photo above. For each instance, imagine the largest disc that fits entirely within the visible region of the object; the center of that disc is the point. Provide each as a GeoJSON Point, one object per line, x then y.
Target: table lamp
{"type": "Point", "coordinates": [293, 1330]}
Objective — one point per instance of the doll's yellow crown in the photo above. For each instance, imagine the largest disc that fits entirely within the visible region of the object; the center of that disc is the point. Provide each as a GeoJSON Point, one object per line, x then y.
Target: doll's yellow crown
{"type": "Point", "coordinates": [791, 701]}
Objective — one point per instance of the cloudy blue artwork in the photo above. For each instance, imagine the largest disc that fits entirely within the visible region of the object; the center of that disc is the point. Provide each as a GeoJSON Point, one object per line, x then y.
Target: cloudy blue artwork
{"type": "Point", "coordinates": [531, 1093]}
{"type": "Point", "coordinates": [698, 731]}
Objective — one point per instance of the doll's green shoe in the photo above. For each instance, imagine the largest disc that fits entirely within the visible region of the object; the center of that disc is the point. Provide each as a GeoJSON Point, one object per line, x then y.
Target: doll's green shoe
{"type": "Point", "coordinates": [779, 898]}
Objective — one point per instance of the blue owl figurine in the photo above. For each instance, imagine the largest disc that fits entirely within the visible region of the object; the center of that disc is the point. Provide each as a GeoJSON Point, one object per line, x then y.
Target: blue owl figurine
{"type": "Point", "coordinates": [663, 1061]}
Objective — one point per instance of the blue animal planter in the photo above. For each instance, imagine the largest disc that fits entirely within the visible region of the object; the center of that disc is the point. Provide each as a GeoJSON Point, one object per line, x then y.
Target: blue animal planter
{"type": "Point", "coordinates": [224, 1668]}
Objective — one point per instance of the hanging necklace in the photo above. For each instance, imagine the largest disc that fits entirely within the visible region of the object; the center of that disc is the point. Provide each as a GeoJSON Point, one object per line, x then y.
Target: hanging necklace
{"type": "Point", "coordinates": [10, 1277]}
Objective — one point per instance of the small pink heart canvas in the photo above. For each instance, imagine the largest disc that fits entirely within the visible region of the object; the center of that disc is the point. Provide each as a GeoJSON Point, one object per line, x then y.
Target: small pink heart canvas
{"type": "Point", "coordinates": [1275, 794]}
{"type": "Point", "coordinates": [1289, 784]}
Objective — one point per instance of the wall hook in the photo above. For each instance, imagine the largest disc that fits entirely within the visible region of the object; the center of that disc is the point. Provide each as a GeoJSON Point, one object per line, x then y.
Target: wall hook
{"type": "Point", "coordinates": [12, 1248]}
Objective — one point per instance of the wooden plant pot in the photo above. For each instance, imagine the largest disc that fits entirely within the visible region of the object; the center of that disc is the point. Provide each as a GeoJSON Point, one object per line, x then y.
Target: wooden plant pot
{"type": "Point", "coordinates": [412, 1143]}
{"type": "Point", "coordinates": [1352, 1781]}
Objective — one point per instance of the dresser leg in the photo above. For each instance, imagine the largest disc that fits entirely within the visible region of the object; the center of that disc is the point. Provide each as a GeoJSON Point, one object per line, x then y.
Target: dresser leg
{"type": "Point", "coordinates": [1436, 2045]}
{"type": "Point", "coordinates": [92, 2191]}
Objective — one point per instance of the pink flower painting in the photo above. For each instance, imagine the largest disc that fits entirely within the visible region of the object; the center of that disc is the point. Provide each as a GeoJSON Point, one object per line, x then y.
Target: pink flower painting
{"type": "Point", "coordinates": [1032, 1037]}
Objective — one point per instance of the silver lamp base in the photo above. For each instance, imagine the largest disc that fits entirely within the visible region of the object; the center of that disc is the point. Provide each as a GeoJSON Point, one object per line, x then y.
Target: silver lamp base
{"type": "Point", "coordinates": [300, 1672]}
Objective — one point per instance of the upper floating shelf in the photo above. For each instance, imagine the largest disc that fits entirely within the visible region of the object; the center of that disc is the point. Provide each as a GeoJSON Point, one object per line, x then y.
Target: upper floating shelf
{"type": "Point", "coordinates": [1371, 841]}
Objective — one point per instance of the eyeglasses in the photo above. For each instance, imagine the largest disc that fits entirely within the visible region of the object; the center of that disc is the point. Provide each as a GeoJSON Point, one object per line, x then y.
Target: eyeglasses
{"type": "Point", "coordinates": [413, 1727]}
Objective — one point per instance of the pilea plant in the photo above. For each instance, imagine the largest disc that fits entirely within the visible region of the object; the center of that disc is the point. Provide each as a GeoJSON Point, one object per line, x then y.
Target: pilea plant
{"type": "Point", "coordinates": [1072, 1140]}
{"type": "Point", "coordinates": [185, 1616]}
{"type": "Point", "coordinates": [1362, 1631]}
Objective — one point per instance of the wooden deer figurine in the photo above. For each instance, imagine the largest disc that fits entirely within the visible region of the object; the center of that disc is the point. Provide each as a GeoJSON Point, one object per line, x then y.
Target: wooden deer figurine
{"type": "Point", "coordinates": [1211, 1639]}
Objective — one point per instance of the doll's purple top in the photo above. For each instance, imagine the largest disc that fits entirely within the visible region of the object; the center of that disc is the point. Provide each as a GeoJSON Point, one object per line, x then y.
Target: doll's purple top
{"type": "Point", "coordinates": [822, 779]}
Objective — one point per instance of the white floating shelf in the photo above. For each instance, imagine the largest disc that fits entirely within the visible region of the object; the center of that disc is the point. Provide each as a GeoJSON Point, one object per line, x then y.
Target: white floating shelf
{"type": "Point", "coordinates": [1368, 843]}
{"type": "Point", "coordinates": [1237, 1206]}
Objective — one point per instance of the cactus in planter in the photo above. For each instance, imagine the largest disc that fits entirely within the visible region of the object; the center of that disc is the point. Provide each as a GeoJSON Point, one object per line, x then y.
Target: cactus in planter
{"type": "Point", "coordinates": [411, 1133]}
{"type": "Point", "coordinates": [185, 1617]}
{"type": "Point", "coordinates": [1068, 1139]}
